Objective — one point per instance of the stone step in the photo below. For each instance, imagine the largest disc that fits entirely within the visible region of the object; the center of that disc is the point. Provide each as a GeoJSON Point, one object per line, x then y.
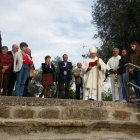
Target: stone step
{"type": "Point", "coordinates": [35, 118]}
{"type": "Point", "coordinates": [42, 127]}
{"type": "Point", "coordinates": [32, 101]}
{"type": "Point", "coordinates": [69, 112]}
{"type": "Point", "coordinates": [29, 125]}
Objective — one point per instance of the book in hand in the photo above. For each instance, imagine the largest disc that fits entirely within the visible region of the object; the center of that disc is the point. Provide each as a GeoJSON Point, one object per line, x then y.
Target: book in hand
{"type": "Point", "coordinates": [92, 64]}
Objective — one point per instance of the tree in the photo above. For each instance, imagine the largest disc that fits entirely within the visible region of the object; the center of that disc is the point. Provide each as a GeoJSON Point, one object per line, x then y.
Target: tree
{"type": "Point", "coordinates": [35, 87]}
{"type": "Point", "coordinates": [118, 24]}
{"type": "Point", "coordinates": [107, 96]}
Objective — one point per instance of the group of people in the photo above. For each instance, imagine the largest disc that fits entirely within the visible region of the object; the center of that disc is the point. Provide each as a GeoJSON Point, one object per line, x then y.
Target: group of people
{"type": "Point", "coordinates": [15, 70]}
{"type": "Point", "coordinates": [117, 65]}
{"type": "Point", "coordinates": [89, 78]}
{"type": "Point", "coordinates": [64, 77]}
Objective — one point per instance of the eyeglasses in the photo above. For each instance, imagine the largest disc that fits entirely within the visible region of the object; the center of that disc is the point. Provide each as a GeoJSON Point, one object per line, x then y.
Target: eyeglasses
{"type": "Point", "coordinates": [65, 57]}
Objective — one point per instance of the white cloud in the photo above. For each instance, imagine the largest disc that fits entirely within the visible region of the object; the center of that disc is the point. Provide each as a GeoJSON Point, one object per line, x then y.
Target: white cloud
{"type": "Point", "coordinates": [49, 27]}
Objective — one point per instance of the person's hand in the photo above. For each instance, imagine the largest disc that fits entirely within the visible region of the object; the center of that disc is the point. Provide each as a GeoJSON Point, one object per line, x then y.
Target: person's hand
{"type": "Point", "coordinates": [31, 62]}
{"type": "Point", "coordinates": [117, 68]}
{"type": "Point", "coordinates": [3, 70]}
{"type": "Point", "coordinates": [64, 66]}
{"type": "Point", "coordinates": [114, 71]}
{"type": "Point", "coordinates": [116, 75]}
{"type": "Point", "coordinates": [131, 71]}
{"type": "Point", "coordinates": [90, 68]}
{"type": "Point", "coordinates": [5, 67]}
{"type": "Point", "coordinates": [98, 64]}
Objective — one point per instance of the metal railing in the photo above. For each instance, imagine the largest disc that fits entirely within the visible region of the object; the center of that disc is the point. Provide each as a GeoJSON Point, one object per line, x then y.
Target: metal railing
{"type": "Point", "coordinates": [127, 78]}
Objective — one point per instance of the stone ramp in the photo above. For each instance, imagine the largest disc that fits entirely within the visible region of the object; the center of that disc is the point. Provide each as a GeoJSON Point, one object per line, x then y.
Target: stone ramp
{"type": "Point", "coordinates": [37, 118]}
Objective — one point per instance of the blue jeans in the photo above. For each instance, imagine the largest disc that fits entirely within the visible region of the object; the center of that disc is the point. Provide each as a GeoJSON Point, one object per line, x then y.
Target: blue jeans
{"type": "Point", "coordinates": [21, 79]}
{"type": "Point", "coordinates": [137, 82]}
{"type": "Point", "coordinates": [122, 78]}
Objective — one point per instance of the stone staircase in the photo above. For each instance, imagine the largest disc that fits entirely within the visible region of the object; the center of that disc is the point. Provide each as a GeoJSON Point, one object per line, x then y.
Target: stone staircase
{"type": "Point", "coordinates": [55, 119]}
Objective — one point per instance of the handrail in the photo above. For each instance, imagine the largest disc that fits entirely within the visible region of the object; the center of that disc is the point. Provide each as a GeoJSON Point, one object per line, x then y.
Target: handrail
{"type": "Point", "coordinates": [127, 78]}
{"type": "Point", "coordinates": [134, 85]}
{"type": "Point", "coordinates": [132, 65]}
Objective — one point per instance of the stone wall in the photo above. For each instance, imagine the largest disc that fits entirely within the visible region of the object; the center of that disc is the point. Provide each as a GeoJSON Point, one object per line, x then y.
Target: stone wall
{"type": "Point", "coordinates": [25, 117]}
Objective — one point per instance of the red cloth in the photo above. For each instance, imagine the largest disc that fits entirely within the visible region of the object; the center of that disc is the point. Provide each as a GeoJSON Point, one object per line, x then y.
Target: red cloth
{"type": "Point", "coordinates": [4, 55]}
{"type": "Point", "coordinates": [92, 64]}
{"type": "Point", "coordinates": [47, 79]}
{"type": "Point", "coordinates": [26, 60]}
{"type": "Point", "coordinates": [6, 60]}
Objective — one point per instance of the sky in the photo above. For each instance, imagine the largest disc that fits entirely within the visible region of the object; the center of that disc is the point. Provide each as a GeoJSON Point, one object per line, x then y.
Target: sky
{"type": "Point", "coordinates": [49, 27]}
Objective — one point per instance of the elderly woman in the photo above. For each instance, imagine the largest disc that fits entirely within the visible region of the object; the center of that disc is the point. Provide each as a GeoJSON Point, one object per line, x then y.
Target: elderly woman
{"type": "Point", "coordinates": [6, 62]}
{"type": "Point", "coordinates": [47, 76]}
{"type": "Point", "coordinates": [22, 61]}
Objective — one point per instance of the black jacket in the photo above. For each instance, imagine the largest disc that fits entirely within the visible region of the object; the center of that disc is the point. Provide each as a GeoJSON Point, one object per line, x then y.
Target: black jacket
{"type": "Point", "coordinates": [122, 63]}
{"type": "Point", "coordinates": [10, 53]}
{"type": "Point", "coordinates": [46, 69]}
{"type": "Point", "coordinates": [62, 69]}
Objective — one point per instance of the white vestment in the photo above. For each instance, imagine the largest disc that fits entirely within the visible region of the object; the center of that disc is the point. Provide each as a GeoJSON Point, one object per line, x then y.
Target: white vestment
{"type": "Point", "coordinates": [113, 63]}
{"type": "Point", "coordinates": [92, 77]}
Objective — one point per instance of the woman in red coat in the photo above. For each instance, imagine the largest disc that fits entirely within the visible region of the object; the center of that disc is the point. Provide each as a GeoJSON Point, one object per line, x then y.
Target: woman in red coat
{"type": "Point", "coordinates": [6, 62]}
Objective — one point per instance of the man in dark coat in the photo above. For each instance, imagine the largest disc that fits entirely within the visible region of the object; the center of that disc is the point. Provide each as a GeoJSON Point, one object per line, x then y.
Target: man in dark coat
{"type": "Point", "coordinates": [64, 76]}
{"type": "Point", "coordinates": [12, 78]}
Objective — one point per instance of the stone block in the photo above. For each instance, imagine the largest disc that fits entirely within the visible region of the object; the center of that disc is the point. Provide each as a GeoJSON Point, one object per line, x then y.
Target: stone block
{"type": "Point", "coordinates": [24, 113]}
{"type": "Point", "coordinates": [85, 113]}
{"type": "Point", "coordinates": [49, 113]}
{"type": "Point", "coordinates": [122, 115]}
{"type": "Point", "coordinates": [4, 112]}
{"type": "Point", "coordinates": [138, 117]}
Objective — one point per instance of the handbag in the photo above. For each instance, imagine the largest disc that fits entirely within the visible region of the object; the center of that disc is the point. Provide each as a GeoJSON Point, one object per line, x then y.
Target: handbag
{"type": "Point", "coordinates": [31, 72]}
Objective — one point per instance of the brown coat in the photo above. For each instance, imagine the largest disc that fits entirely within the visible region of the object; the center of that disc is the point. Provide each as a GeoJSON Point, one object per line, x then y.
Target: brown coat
{"type": "Point", "coordinates": [135, 60]}
{"type": "Point", "coordinates": [78, 78]}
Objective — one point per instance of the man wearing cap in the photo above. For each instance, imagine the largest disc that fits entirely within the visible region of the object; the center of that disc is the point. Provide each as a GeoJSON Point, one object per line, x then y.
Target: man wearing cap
{"type": "Point", "coordinates": [93, 80]}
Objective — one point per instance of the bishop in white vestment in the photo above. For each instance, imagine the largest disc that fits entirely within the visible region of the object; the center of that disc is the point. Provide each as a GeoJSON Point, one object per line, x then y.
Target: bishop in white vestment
{"type": "Point", "coordinates": [93, 79]}
{"type": "Point", "coordinates": [112, 65]}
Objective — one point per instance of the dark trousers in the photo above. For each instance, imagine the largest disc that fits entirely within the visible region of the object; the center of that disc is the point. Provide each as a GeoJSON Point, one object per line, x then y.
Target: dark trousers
{"type": "Point", "coordinates": [12, 81]}
{"type": "Point", "coordinates": [136, 81]}
{"type": "Point", "coordinates": [25, 94]}
{"type": "Point", "coordinates": [61, 87]}
{"type": "Point", "coordinates": [4, 82]}
{"type": "Point", "coordinates": [78, 87]}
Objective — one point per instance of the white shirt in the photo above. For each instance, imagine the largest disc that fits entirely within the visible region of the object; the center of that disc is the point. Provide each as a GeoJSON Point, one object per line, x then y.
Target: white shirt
{"type": "Point", "coordinates": [65, 72]}
{"type": "Point", "coordinates": [115, 58]}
